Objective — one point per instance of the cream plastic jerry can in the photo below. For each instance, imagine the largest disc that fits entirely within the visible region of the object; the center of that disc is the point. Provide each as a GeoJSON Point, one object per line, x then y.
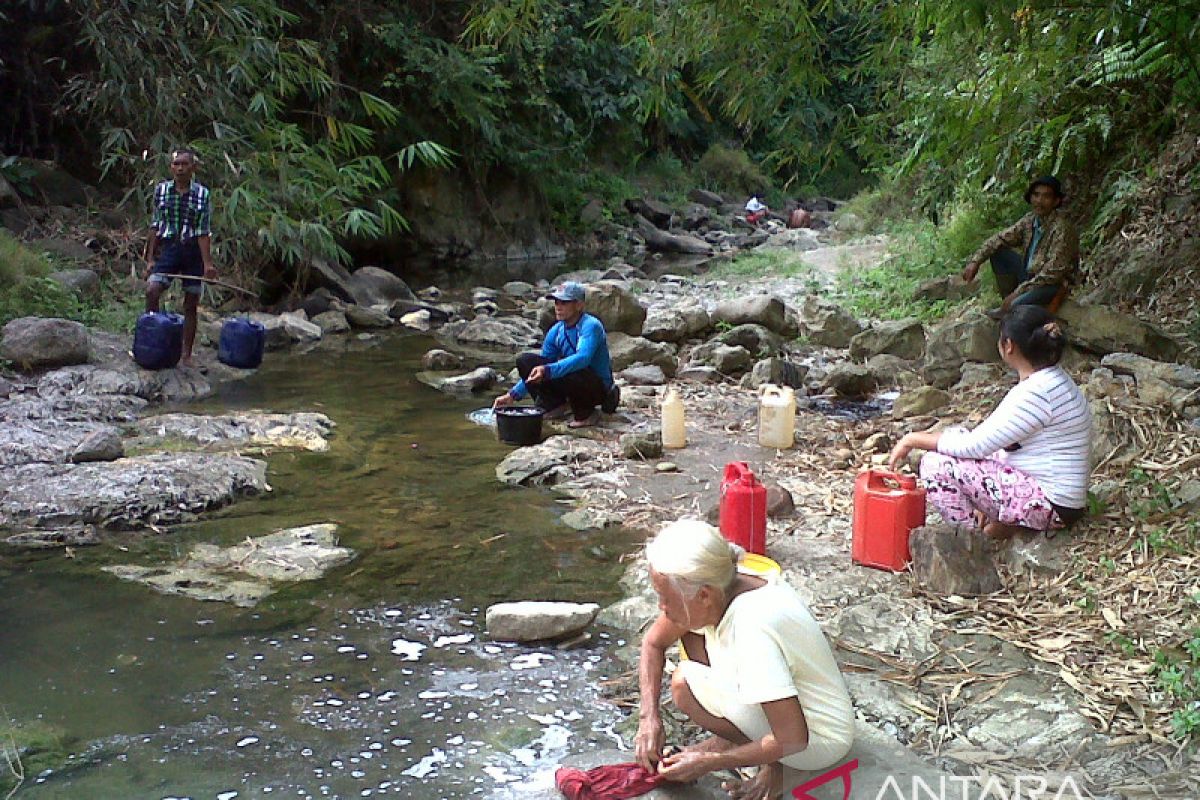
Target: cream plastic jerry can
{"type": "Point", "coordinates": [777, 417]}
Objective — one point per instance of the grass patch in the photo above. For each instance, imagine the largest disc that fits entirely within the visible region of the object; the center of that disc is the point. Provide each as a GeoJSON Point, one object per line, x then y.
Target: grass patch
{"type": "Point", "coordinates": [112, 309]}
{"type": "Point", "coordinates": [19, 263]}
{"type": "Point", "coordinates": [761, 264]}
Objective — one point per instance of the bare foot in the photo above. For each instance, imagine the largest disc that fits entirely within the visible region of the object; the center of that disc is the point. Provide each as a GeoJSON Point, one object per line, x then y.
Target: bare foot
{"type": "Point", "coordinates": [766, 785]}
{"type": "Point", "coordinates": [587, 422]}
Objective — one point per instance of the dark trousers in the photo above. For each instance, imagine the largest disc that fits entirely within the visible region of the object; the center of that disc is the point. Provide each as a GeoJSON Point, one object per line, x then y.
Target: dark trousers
{"type": "Point", "coordinates": [583, 389]}
{"type": "Point", "coordinates": [1009, 268]}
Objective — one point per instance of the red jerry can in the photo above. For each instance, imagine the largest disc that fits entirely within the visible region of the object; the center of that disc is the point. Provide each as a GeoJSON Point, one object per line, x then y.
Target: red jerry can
{"type": "Point", "coordinates": [744, 508]}
{"type": "Point", "coordinates": [887, 506]}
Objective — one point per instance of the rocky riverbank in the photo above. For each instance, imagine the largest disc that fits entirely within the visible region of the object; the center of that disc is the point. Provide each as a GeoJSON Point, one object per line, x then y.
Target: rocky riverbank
{"type": "Point", "coordinates": [1029, 680]}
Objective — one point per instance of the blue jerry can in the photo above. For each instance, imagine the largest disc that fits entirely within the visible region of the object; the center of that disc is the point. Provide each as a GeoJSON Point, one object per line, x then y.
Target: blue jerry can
{"type": "Point", "coordinates": [242, 343]}
{"type": "Point", "coordinates": [158, 340]}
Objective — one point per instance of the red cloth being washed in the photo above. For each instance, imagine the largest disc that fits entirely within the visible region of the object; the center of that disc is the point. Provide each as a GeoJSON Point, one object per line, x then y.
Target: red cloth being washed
{"type": "Point", "coordinates": [607, 782]}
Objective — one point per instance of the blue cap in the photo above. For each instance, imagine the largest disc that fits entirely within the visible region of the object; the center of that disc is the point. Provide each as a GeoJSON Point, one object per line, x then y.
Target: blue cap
{"type": "Point", "coordinates": [569, 292]}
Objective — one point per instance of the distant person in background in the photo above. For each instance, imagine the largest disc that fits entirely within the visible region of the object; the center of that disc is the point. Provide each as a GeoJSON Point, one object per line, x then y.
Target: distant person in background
{"type": "Point", "coordinates": [180, 242]}
{"type": "Point", "coordinates": [573, 373]}
{"type": "Point", "coordinates": [1036, 260]}
{"type": "Point", "coordinates": [1025, 467]}
{"type": "Point", "coordinates": [756, 209]}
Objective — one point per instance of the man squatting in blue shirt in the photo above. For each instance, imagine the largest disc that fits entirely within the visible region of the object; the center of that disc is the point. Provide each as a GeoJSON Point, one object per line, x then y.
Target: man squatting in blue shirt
{"type": "Point", "coordinates": [573, 370]}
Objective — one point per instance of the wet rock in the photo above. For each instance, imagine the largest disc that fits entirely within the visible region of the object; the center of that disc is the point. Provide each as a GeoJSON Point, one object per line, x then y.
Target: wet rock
{"type": "Point", "coordinates": [513, 334]}
{"type": "Point", "coordinates": [334, 277]}
{"type": "Point", "coordinates": [643, 375]}
{"type": "Point", "coordinates": [48, 441]}
{"type": "Point", "coordinates": [285, 330]}
{"type": "Point", "coordinates": [83, 282]}
{"type": "Point", "coordinates": [641, 446]}
{"type": "Point", "coordinates": [727, 360]}
{"type": "Point", "coordinates": [706, 198]}
{"type": "Point", "coordinates": [303, 430]}
{"type": "Point", "coordinates": [417, 320]}
{"type": "Point", "coordinates": [948, 560]}
{"type": "Point", "coordinates": [948, 287]}
{"type": "Point", "coordinates": [101, 445]}
{"type": "Point", "coordinates": [761, 309]}
{"type": "Point", "coordinates": [318, 302]}
{"type": "Point", "coordinates": [331, 322]}
{"type": "Point", "coordinates": [244, 573]}
{"type": "Point", "coordinates": [1103, 330]}
{"type": "Point", "coordinates": [38, 342]}
{"type": "Point", "coordinates": [755, 338]}
{"type": "Point", "coordinates": [367, 317]}
{"type": "Point", "coordinates": [616, 307]}
{"type": "Point", "coordinates": [827, 324]}
{"type": "Point", "coordinates": [776, 371]}
{"type": "Point", "coordinates": [471, 382]}
{"type": "Point", "coordinates": [850, 380]}
{"type": "Point", "coordinates": [589, 518]}
{"type": "Point", "coordinates": [532, 621]}
{"type": "Point", "coordinates": [920, 401]}
{"type": "Point", "coordinates": [625, 351]}
{"type": "Point", "coordinates": [127, 493]}
{"type": "Point", "coordinates": [904, 338]}
{"type": "Point", "coordinates": [370, 286]}
{"type": "Point", "coordinates": [441, 360]}
{"type": "Point", "coordinates": [547, 463]}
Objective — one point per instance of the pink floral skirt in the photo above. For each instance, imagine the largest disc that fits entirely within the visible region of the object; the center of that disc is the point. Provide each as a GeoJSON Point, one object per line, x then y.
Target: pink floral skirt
{"type": "Point", "coordinates": [959, 487]}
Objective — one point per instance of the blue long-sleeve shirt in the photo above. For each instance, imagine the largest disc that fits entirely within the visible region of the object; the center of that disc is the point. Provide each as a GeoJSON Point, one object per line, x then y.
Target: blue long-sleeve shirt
{"type": "Point", "coordinates": [571, 349]}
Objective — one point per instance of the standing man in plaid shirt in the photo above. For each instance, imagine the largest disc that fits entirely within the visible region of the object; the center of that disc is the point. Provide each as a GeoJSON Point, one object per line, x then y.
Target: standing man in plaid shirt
{"type": "Point", "coordinates": [180, 242]}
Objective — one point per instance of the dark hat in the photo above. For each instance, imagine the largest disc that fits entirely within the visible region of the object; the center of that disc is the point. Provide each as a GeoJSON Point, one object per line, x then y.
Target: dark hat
{"type": "Point", "coordinates": [1045, 180]}
{"type": "Point", "coordinates": [569, 292]}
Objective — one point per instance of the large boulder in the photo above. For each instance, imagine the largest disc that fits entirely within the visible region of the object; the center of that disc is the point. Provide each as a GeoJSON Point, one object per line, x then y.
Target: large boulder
{"type": "Point", "coordinates": [729, 360]}
{"type": "Point", "coordinates": [827, 324]}
{"type": "Point", "coordinates": [660, 241]}
{"type": "Point", "coordinates": [51, 441]}
{"type": "Point", "coordinates": [38, 342]}
{"type": "Point", "coordinates": [919, 402]}
{"type": "Point", "coordinates": [904, 338]}
{"type": "Point", "coordinates": [332, 277]}
{"type": "Point", "coordinates": [367, 317]}
{"type": "Point", "coordinates": [851, 380]}
{"type": "Point", "coordinates": [624, 351]}
{"type": "Point", "coordinates": [776, 371]}
{"type": "Point", "coordinates": [760, 309]}
{"type": "Point", "coordinates": [951, 288]}
{"type": "Point", "coordinates": [301, 430]}
{"type": "Point", "coordinates": [371, 286]}
{"type": "Point", "coordinates": [755, 338]}
{"type": "Point", "coordinates": [331, 322]}
{"type": "Point", "coordinates": [950, 560]}
{"type": "Point", "coordinates": [512, 334]}
{"type": "Point", "coordinates": [950, 344]}
{"type": "Point", "coordinates": [476, 380]}
{"type": "Point", "coordinates": [706, 198]}
{"type": "Point", "coordinates": [532, 621]}
{"type": "Point", "coordinates": [675, 324]}
{"type": "Point", "coordinates": [54, 186]}
{"type": "Point", "coordinates": [616, 307]}
{"type": "Point", "coordinates": [287, 329]}
{"type": "Point", "coordinates": [83, 282]}
{"type": "Point", "coordinates": [441, 360]}
{"type": "Point", "coordinates": [655, 211]}
{"type": "Point", "coordinates": [1157, 383]}
{"type": "Point", "coordinates": [1103, 330]}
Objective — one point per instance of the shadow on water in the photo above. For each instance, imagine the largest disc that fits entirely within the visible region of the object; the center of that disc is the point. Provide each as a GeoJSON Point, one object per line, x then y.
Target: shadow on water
{"type": "Point", "coordinates": [376, 680]}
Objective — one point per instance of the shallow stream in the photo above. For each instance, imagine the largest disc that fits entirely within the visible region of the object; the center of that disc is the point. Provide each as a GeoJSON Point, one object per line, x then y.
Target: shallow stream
{"type": "Point", "coordinates": [375, 681]}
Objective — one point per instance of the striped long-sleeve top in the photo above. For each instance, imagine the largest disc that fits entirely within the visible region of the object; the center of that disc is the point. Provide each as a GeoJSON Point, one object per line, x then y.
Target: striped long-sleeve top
{"type": "Point", "coordinates": [1043, 428]}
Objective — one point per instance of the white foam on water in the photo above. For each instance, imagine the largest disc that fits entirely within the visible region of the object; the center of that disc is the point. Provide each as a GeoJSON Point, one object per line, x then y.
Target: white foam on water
{"type": "Point", "coordinates": [408, 651]}
{"type": "Point", "coordinates": [461, 638]}
{"type": "Point", "coordinates": [530, 660]}
{"type": "Point", "coordinates": [426, 765]}
{"type": "Point", "coordinates": [246, 742]}
{"type": "Point", "coordinates": [432, 695]}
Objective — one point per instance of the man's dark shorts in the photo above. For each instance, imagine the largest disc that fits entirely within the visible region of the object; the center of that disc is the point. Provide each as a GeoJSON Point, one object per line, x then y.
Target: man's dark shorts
{"type": "Point", "coordinates": [179, 258]}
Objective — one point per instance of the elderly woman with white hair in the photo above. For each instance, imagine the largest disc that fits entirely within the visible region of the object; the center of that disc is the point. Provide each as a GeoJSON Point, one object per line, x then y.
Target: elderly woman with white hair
{"type": "Point", "coordinates": [759, 674]}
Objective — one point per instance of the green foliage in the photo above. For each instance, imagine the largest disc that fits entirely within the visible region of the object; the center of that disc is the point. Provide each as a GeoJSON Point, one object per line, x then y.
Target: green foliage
{"type": "Point", "coordinates": [760, 263]}
{"type": "Point", "coordinates": [288, 150]}
{"type": "Point", "coordinates": [725, 169]}
{"type": "Point", "coordinates": [18, 263]}
{"type": "Point", "coordinates": [18, 174]}
{"type": "Point", "coordinates": [1178, 674]}
{"type": "Point", "coordinates": [111, 309]}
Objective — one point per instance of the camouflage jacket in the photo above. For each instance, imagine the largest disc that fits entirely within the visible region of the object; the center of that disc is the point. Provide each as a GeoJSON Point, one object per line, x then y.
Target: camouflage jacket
{"type": "Point", "coordinates": [1056, 260]}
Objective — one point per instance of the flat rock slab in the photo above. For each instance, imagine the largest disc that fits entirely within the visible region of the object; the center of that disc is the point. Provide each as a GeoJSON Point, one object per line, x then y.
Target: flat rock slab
{"type": "Point", "coordinates": [48, 442]}
{"type": "Point", "coordinates": [534, 621]}
{"type": "Point", "coordinates": [127, 493]}
{"type": "Point", "coordinates": [547, 463]}
{"type": "Point", "coordinates": [303, 430]}
{"type": "Point", "coordinates": [245, 573]}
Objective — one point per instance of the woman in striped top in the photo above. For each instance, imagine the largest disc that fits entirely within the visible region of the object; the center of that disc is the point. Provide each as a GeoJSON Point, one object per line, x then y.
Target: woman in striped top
{"type": "Point", "coordinates": [1026, 466]}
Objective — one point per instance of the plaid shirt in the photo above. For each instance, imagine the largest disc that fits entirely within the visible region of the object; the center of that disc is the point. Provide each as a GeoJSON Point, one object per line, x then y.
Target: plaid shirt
{"type": "Point", "coordinates": [181, 216]}
{"type": "Point", "coordinates": [1055, 259]}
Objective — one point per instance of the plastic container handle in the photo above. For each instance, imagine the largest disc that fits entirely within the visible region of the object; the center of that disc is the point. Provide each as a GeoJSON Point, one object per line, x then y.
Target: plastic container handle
{"type": "Point", "coordinates": [771, 390]}
{"type": "Point", "coordinates": [876, 477]}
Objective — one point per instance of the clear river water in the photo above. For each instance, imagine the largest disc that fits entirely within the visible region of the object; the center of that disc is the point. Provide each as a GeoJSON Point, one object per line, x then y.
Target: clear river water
{"type": "Point", "coordinates": [377, 680]}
